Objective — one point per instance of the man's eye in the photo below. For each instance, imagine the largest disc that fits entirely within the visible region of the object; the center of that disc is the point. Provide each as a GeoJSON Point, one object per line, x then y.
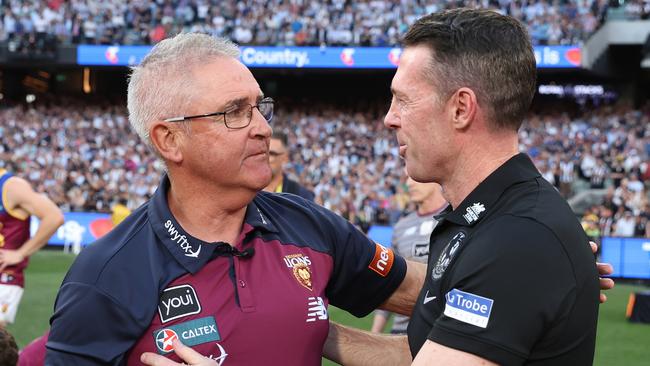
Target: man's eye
{"type": "Point", "coordinates": [238, 112]}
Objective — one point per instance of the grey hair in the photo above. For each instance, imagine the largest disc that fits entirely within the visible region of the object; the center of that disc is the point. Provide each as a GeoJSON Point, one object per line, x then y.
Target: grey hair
{"type": "Point", "coordinates": [160, 87]}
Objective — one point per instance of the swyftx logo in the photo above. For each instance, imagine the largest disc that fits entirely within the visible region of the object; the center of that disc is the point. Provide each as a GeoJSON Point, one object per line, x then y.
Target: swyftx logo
{"type": "Point", "coordinates": [177, 302]}
{"type": "Point", "coordinates": [181, 240]}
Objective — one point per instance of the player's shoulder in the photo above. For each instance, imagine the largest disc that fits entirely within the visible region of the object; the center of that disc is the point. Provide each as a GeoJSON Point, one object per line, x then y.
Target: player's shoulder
{"type": "Point", "coordinates": [288, 205]}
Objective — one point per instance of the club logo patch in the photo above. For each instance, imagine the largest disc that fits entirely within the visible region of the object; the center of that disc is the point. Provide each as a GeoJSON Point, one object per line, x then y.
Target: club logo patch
{"type": "Point", "coordinates": [300, 266]}
{"type": "Point", "coordinates": [382, 261]}
{"type": "Point", "coordinates": [190, 333]}
{"type": "Point", "coordinates": [468, 308]}
{"type": "Point", "coordinates": [177, 302]}
{"type": "Point", "coordinates": [447, 255]}
{"type": "Point", "coordinates": [473, 212]}
{"type": "Point", "coordinates": [303, 275]}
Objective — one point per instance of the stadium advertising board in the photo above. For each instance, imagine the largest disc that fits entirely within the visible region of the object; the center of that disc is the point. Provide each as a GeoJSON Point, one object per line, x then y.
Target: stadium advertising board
{"type": "Point", "coordinates": [629, 256]}
{"type": "Point", "coordinates": [79, 228]}
{"type": "Point", "coordinates": [311, 57]}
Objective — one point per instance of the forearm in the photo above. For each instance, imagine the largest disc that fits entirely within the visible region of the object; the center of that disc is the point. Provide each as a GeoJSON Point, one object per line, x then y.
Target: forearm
{"type": "Point", "coordinates": [403, 299]}
{"type": "Point", "coordinates": [47, 227]}
{"type": "Point", "coordinates": [354, 347]}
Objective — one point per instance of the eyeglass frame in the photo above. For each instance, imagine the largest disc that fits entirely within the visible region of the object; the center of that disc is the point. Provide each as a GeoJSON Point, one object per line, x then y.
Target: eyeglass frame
{"type": "Point", "coordinates": [267, 100]}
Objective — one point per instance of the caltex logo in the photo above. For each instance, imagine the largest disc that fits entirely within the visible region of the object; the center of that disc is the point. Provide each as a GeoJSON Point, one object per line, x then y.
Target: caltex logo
{"type": "Point", "coordinates": [164, 340]}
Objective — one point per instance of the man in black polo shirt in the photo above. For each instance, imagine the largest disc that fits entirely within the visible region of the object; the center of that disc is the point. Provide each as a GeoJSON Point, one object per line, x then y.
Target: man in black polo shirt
{"type": "Point", "coordinates": [510, 277]}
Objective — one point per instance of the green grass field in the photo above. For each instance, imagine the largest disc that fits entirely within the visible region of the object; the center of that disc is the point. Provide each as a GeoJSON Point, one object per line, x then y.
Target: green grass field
{"type": "Point", "coordinates": [618, 343]}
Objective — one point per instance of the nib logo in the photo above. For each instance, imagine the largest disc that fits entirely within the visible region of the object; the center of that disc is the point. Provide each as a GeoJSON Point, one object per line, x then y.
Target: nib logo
{"type": "Point", "coordinates": [393, 56]}
{"type": "Point", "coordinates": [111, 54]}
{"type": "Point", "coordinates": [574, 56]}
{"type": "Point", "coordinates": [346, 56]}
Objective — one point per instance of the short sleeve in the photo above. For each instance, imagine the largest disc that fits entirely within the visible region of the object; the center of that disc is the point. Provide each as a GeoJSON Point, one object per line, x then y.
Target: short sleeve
{"type": "Point", "coordinates": [509, 283]}
{"type": "Point", "coordinates": [89, 328]}
{"type": "Point", "coordinates": [364, 274]}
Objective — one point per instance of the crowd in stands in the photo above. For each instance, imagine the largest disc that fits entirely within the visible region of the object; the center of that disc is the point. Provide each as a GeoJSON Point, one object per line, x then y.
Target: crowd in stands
{"type": "Point", "coordinates": [606, 149]}
{"type": "Point", "coordinates": [287, 22]}
{"type": "Point", "coordinates": [88, 159]}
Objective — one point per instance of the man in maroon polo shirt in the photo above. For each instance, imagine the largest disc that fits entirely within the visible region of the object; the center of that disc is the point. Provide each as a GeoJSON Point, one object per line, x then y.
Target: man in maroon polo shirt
{"type": "Point", "coordinates": [240, 276]}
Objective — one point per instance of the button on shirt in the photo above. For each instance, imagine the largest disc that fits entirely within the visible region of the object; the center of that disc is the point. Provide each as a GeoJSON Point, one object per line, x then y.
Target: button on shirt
{"type": "Point", "coordinates": [511, 277]}
{"type": "Point", "coordinates": [149, 282]}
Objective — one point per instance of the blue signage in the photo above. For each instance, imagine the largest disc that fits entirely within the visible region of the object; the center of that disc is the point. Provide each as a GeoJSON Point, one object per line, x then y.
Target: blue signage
{"type": "Point", "coordinates": [111, 55]}
{"type": "Point", "coordinates": [629, 256]}
{"type": "Point", "coordinates": [381, 234]}
{"type": "Point", "coordinates": [79, 228]}
{"type": "Point", "coordinates": [558, 56]}
{"type": "Point", "coordinates": [322, 57]}
{"type": "Point", "coordinates": [311, 57]}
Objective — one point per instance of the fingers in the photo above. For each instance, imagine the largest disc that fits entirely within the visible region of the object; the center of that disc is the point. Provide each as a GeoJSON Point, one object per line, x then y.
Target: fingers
{"type": "Point", "coordinates": [189, 355]}
{"type": "Point", "coordinates": [603, 298]}
{"type": "Point", "coordinates": [594, 247]}
{"type": "Point", "coordinates": [604, 269]}
{"type": "Point", "coordinates": [606, 284]}
{"type": "Point", "coordinates": [153, 359]}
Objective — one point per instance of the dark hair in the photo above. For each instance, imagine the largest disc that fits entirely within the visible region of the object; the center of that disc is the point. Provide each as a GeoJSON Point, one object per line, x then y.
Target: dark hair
{"type": "Point", "coordinates": [280, 135]}
{"type": "Point", "coordinates": [8, 349]}
{"type": "Point", "coordinates": [485, 51]}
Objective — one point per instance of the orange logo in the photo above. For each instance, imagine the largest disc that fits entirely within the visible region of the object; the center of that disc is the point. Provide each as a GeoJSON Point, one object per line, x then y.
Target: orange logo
{"type": "Point", "coordinates": [303, 275]}
{"type": "Point", "coordinates": [383, 260]}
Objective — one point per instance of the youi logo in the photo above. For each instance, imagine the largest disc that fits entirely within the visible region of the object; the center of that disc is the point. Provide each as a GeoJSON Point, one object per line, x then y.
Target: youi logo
{"type": "Point", "coordinates": [468, 308]}
{"type": "Point", "coordinates": [177, 302]}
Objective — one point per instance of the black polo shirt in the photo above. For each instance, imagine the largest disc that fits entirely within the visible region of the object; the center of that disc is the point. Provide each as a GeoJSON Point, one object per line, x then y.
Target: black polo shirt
{"type": "Point", "coordinates": [511, 277]}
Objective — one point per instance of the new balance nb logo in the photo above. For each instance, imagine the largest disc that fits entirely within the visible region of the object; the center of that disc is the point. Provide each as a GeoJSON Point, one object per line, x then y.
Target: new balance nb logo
{"type": "Point", "coordinates": [316, 310]}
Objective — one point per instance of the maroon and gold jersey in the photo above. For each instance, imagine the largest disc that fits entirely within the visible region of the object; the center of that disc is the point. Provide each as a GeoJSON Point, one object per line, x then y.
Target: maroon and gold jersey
{"type": "Point", "coordinates": [14, 232]}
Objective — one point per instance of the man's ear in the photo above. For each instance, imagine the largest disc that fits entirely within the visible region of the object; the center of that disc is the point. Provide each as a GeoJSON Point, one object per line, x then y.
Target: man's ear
{"type": "Point", "coordinates": [464, 108]}
{"type": "Point", "coordinates": [167, 141]}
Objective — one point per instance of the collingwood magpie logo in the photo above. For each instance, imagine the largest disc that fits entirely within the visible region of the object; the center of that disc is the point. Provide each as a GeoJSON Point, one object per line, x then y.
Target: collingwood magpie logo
{"type": "Point", "coordinates": [447, 255]}
{"type": "Point", "coordinates": [473, 212]}
{"type": "Point", "coordinates": [181, 240]}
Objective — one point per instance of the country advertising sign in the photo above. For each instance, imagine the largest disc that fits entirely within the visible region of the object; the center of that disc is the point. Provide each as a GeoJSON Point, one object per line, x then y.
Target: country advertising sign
{"type": "Point", "coordinates": [312, 57]}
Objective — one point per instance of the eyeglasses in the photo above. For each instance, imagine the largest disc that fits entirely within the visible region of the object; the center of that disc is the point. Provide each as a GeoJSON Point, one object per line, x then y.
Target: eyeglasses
{"type": "Point", "coordinates": [236, 117]}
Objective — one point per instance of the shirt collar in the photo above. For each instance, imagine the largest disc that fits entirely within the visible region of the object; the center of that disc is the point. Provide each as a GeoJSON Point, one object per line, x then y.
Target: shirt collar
{"type": "Point", "coordinates": [478, 203]}
{"type": "Point", "coordinates": [256, 216]}
{"type": "Point", "coordinates": [193, 253]}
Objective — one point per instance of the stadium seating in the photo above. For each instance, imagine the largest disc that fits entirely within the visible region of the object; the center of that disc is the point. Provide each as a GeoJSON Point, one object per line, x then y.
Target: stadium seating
{"type": "Point", "coordinates": [277, 22]}
{"type": "Point", "coordinates": [87, 157]}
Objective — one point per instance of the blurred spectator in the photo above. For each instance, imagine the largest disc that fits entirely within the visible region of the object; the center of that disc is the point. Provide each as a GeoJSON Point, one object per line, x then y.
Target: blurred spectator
{"type": "Point", "coordinates": [278, 158]}
{"type": "Point", "coordinates": [87, 158]}
{"type": "Point", "coordinates": [625, 225]}
{"type": "Point", "coordinates": [282, 23]}
{"type": "Point", "coordinates": [119, 211]}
